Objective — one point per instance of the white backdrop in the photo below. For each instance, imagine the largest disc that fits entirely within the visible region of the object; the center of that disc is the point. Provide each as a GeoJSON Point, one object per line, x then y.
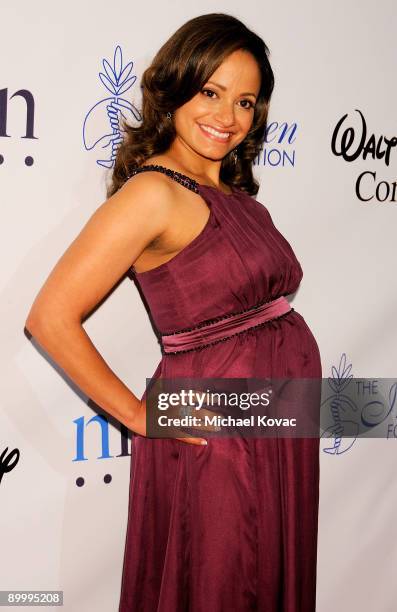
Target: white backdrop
{"type": "Point", "coordinates": [329, 59]}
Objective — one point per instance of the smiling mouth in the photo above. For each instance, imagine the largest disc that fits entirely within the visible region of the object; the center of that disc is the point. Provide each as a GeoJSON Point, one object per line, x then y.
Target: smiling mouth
{"type": "Point", "coordinates": [215, 134]}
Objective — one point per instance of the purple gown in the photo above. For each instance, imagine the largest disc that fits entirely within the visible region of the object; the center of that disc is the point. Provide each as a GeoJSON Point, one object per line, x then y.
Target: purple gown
{"type": "Point", "coordinates": [232, 526]}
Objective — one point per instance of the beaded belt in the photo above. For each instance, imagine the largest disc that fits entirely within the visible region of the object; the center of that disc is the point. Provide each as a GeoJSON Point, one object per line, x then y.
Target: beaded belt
{"type": "Point", "coordinates": [229, 325]}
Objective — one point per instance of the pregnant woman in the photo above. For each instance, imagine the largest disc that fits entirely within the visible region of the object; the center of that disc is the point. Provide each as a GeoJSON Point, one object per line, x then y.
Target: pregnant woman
{"type": "Point", "coordinates": [230, 525]}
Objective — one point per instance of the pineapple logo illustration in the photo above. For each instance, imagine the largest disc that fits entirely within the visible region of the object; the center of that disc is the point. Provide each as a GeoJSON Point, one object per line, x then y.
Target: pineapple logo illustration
{"type": "Point", "coordinates": [349, 414]}
{"type": "Point", "coordinates": [101, 128]}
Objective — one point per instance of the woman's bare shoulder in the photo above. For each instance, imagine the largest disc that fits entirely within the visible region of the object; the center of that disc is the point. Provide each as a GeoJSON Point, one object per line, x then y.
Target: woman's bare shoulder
{"type": "Point", "coordinates": [148, 184]}
{"type": "Point", "coordinates": [112, 239]}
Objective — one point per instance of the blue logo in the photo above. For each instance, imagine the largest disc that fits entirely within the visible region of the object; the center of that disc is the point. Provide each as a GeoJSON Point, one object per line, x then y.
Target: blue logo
{"type": "Point", "coordinates": [101, 129]}
{"type": "Point", "coordinates": [356, 406]}
{"type": "Point", "coordinates": [278, 148]}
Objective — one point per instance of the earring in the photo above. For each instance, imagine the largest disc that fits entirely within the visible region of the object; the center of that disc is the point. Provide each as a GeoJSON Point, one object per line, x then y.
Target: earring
{"type": "Point", "coordinates": [234, 155]}
{"type": "Point", "coordinates": [169, 115]}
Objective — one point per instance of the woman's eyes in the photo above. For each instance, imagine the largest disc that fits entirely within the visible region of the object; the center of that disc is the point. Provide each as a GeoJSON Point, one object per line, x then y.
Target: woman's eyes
{"type": "Point", "coordinates": [250, 104]}
{"type": "Point", "coordinates": [210, 91]}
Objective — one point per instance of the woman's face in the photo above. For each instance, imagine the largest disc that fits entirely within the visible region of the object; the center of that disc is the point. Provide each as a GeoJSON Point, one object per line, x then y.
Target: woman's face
{"type": "Point", "coordinates": [219, 117]}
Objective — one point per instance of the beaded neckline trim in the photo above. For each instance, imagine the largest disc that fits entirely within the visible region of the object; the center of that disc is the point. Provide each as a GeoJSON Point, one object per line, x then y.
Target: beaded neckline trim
{"type": "Point", "coordinates": [184, 180]}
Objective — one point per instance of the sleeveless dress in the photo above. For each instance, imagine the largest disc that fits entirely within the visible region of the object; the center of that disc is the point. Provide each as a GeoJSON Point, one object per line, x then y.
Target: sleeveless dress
{"type": "Point", "coordinates": [232, 526]}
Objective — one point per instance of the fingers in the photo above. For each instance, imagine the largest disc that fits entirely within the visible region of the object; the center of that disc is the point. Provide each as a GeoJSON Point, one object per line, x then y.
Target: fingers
{"type": "Point", "coordinates": [201, 419]}
{"type": "Point", "coordinates": [195, 441]}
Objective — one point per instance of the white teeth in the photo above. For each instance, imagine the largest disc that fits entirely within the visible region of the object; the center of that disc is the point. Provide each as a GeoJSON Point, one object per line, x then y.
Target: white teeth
{"type": "Point", "coordinates": [224, 135]}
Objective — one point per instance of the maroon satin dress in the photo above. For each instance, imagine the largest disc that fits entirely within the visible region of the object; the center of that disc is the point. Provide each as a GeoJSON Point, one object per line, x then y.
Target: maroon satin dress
{"type": "Point", "coordinates": [232, 526]}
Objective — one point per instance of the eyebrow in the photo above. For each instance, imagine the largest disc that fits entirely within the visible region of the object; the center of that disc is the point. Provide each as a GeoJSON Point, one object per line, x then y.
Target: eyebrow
{"type": "Point", "coordinates": [246, 93]}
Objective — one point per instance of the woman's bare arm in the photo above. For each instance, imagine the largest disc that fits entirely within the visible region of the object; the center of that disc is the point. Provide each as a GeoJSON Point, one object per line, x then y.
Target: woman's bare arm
{"type": "Point", "coordinates": [107, 246]}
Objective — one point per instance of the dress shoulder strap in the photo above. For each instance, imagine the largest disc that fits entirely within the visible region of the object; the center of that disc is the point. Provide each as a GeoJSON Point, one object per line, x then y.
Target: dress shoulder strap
{"type": "Point", "coordinates": [184, 180]}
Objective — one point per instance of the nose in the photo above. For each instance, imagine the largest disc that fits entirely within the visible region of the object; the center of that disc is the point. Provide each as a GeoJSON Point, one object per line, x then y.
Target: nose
{"type": "Point", "coordinates": [224, 115]}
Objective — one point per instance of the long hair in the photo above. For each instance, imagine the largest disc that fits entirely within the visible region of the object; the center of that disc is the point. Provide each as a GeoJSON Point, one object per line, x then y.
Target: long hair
{"type": "Point", "coordinates": [178, 72]}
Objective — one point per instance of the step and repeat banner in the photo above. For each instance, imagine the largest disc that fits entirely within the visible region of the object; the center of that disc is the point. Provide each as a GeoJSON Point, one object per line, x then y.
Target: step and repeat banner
{"type": "Point", "coordinates": [327, 171]}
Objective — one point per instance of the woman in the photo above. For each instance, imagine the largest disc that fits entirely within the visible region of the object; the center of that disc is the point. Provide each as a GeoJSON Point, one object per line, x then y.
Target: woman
{"type": "Point", "coordinates": [231, 525]}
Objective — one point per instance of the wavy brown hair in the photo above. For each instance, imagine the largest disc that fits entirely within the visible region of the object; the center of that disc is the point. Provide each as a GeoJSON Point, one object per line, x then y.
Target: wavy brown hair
{"type": "Point", "coordinates": [177, 73]}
